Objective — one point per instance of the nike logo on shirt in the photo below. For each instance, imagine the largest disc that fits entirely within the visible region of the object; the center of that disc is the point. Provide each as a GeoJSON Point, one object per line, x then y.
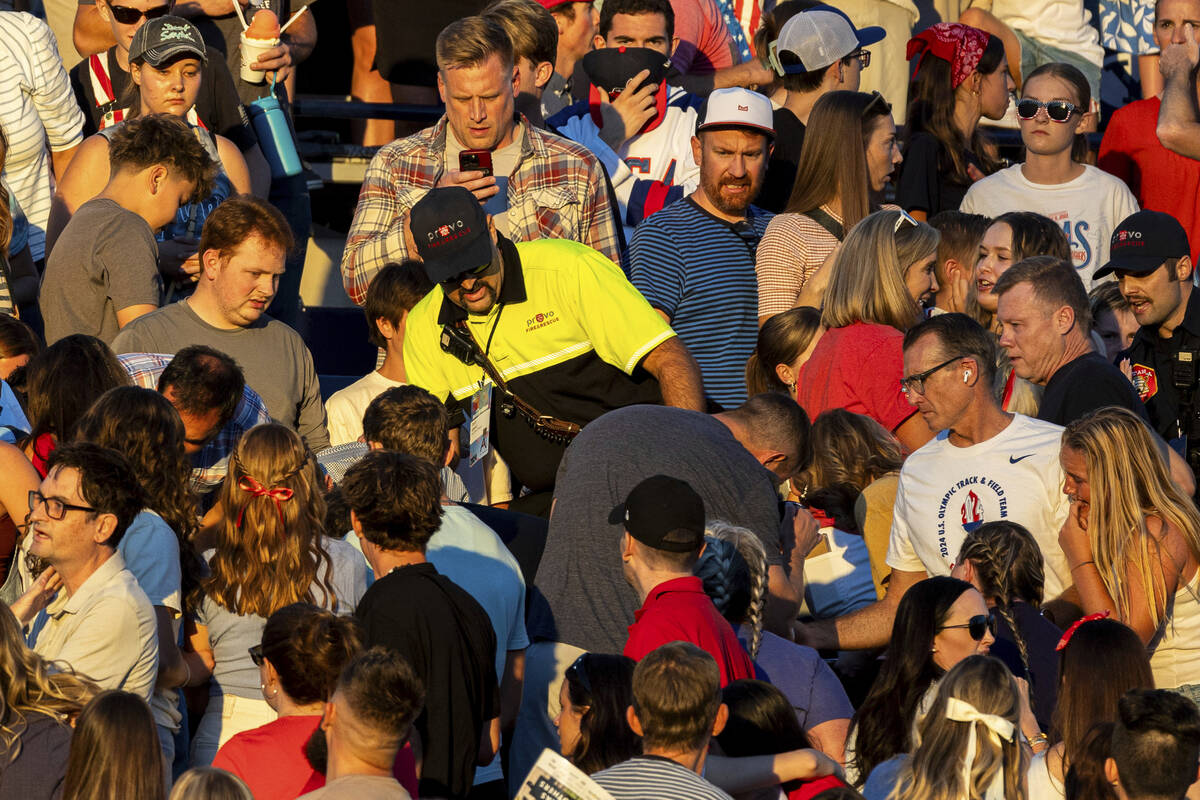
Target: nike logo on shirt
{"type": "Point", "coordinates": [1015, 459]}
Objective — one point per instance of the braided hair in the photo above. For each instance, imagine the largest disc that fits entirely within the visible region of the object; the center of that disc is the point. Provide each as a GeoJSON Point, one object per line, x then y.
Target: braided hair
{"type": "Point", "coordinates": [1008, 566]}
{"type": "Point", "coordinates": [733, 569]}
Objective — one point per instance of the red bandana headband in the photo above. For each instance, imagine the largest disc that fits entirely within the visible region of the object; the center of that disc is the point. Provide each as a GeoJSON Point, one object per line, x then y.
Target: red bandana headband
{"type": "Point", "coordinates": [959, 44]}
{"type": "Point", "coordinates": [1069, 632]}
{"type": "Point", "coordinates": [279, 494]}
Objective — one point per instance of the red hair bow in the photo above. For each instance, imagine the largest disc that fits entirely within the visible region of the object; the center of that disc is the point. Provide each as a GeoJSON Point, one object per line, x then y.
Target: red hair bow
{"type": "Point", "coordinates": [1069, 632]}
{"type": "Point", "coordinates": [279, 494]}
{"type": "Point", "coordinates": [959, 44]}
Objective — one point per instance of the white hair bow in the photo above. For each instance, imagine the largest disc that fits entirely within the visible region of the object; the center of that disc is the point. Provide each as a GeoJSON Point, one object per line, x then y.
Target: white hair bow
{"type": "Point", "coordinates": [962, 711]}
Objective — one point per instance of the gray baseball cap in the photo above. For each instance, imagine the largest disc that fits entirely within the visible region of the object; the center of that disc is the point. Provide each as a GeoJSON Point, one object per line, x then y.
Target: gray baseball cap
{"type": "Point", "coordinates": [818, 37]}
{"type": "Point", "coordinates": [165, 38]}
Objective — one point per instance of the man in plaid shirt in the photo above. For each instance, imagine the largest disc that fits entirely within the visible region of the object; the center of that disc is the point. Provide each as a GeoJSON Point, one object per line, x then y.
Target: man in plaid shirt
{"type": "Point", "coordinates": [200, 376]}
{"type": "Point", "coordinates": [540, 186]}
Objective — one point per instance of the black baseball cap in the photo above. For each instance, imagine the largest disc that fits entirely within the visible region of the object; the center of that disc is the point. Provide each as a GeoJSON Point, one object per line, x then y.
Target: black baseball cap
{"type": "Point", "coordinates": [664, 513]}
{"type": "Point", "coordinates": [1142, 242]}
{"type": "Point", "coordinates": [164, 38]}
{"type": "Point", "coordinates": [451, 231]}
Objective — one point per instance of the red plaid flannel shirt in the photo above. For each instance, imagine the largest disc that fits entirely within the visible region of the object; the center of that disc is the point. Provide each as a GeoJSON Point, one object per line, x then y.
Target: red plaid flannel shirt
{"type": "Point", "coordinates": [558, 190]}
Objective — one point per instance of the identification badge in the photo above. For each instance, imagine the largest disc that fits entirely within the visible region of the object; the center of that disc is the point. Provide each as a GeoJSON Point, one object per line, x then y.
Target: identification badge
{"type": "Point", "coordinates": [481, 415]}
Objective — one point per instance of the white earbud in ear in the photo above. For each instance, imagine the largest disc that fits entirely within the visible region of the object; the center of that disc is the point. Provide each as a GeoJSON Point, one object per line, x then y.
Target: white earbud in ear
{"type": "Point", "coordinates": [966, 376]}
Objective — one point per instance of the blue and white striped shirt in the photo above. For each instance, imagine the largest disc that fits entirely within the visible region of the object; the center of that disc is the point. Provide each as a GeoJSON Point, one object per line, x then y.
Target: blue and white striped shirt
{"type": "Point", "coordinates": [699, 271]}
{"type": "Point", "coordinates": [655, 778]}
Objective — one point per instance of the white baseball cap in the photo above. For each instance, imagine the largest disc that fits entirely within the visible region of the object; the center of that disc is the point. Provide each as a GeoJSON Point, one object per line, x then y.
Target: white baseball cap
{"type": "Point", "coordinates": [739, 108]}
{"type": "Point", "coordinates": [818, 37]}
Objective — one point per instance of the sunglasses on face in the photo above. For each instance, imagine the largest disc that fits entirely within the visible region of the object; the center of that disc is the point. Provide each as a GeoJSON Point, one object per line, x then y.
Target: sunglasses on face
{"type": "Point", "coordinates": [256, 655]}
{"type": "Point", "coordinates": [1057, 110]}
{"type": "Point", "coordinates": [131, 16]}
{"type": "Point", "coordinates": [451, 282]}
{"type": "Point", "coordinates": [977, 626]}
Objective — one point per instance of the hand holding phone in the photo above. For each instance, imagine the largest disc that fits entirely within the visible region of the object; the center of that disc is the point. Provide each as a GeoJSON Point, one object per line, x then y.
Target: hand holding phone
{"type": "Point", "coordinates": [474, 173]}
{"type": "Point", "coordinates": [475, 161]}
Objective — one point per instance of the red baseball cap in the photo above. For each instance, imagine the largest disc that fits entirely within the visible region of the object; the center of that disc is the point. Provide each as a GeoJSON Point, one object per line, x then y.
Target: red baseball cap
{"type": "Point", "coordinates": [550, 5]}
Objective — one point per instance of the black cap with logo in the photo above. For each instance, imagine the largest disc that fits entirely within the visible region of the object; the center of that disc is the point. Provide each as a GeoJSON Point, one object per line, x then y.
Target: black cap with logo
{"type": "Point", "coordinates": [664, 513]}
{"type": "Point", "coordinates": [451, 231]}
{"type": "Point", "coordinates": [1142, 242]}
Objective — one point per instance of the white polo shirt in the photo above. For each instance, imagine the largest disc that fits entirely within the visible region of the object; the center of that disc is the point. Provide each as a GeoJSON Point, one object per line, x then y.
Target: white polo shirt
{"type": "Point", "coordinates": [946, 491]}
{"type": "Point", "coordinates": [106, 631]}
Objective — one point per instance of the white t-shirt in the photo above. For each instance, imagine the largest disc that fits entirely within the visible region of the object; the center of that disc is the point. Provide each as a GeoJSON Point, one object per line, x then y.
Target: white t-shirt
{"type": "Point", "coordinates": [1088, 208]}
{"type": "Point", "coordinates": [947, 491]}
{"type": "Point", "coordinates": [345, 407]}
{"type": "Point", "coordinates": [1064, 24]}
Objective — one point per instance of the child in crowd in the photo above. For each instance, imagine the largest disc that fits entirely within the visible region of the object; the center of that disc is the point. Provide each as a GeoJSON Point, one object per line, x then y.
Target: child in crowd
{"type": "Point", "coordinates": [1054, 180]}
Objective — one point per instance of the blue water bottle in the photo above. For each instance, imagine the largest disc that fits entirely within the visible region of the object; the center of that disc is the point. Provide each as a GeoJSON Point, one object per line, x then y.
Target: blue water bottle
{"type": "Point", "coordinates": [275, 135]}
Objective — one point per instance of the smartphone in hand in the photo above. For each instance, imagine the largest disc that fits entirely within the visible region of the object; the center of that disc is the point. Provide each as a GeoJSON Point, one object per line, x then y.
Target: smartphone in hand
{"type": "Point", "coordinates": [475, 161]}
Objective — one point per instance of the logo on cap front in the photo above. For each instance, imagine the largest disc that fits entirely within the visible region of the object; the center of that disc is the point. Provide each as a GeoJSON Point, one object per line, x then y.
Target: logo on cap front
{"type": "Point", "coordinates": [444, 234]}
{"type": "Point", "coordinates": [743, 108]}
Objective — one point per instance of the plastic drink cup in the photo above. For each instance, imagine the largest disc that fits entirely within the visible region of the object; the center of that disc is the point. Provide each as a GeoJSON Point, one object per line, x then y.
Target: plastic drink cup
{"type": "Point", "coordinates": [251, 50]}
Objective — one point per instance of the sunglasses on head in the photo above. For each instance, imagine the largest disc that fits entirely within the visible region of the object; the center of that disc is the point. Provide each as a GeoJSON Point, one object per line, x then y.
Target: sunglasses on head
{"type": "Point", "coordinates": [256, 655]}
{"type": "Point", "coordinates": [977, 626]}
{"type": "Point", "coordinates": [1057, 110]}
{"type": "Point", "coordinates": [578, 673]}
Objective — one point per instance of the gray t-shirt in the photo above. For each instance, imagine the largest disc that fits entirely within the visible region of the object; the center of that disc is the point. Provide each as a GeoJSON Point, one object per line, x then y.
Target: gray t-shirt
{"type": "Point", "coordinates": [273, 357]}
{"type": "Point", "coordinates": [359, 787]}
{"type": "Point", "coordinates": [232, 635]}
{"type": "Point", "coordinates": [105, 260]}
{"type": "Point", "coordinates": [582, 596]}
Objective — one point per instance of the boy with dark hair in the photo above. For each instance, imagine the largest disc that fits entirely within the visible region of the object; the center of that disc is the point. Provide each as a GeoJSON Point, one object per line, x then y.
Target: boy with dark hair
{"type": "Point", "coordinates": [1155, 746]}
{"type": "Point", "coordinates": [663, 519]}
{"type": "Point", "coordinates": [103, 272]}
{"type": "Point", "coordinates": [391, 295]}
{"type": "Point", "coordinates": [676, 709]}
{"type": "Point", "coordinates": [395, 508]}
{"type": "Point", "coordinates": [367, 720]}
{"type": "Point", "coordinates": [957, 252]}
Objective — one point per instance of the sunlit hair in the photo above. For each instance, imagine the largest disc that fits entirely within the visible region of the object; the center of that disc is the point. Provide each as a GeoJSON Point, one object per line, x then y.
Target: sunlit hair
{"type": "Point", "coordinates": [17, 338]}
{"type": "Point", "coordinates": [1129, 482]}
{"type": "Point", "coordinates": [469, 41]}
{"type": "Point", "coordinates": [867, 283]}
{"type": "Point", "coordinates": [934, 772]}
{"type": "Point", "coordinates": [932, 101]}
{"type": "Point", "coordinates": [144, 427]}
{"type": "Point", "coordinates": [6, 220]}
{"type": "Point", "coordinates": [676, 696]}
{"type": "Point", "coordinates": [830, 167]}
{"type": "Point", "coordinates": [115, 753]}
{"type": "Point", "coordinates": [1008, 564]}
{"type": "Point", "coordinates": [1102, 661]}
{"type": "Point", "coordinates": [733, 568]}
{"type": "Point", "coordinates": [1032, 235]}
{"type": "Point", "coordinates": [31, 686]}
{"type": "Point", "coordinates": [209, 783]}
{"type": "Point", "coordinates": [781, 340]}
{"type": "Point", "coordinates": [269, 552]}
{"type": "Point", "coordinates": [850, 449]}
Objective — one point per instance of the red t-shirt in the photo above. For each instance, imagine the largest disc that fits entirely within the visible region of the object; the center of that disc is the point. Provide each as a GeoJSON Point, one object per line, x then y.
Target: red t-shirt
{"type": "Point", "coordinates": [857, 368]}
{"type": "Point", "coordinates": [270, 759]}
{"type": "Point", "coordinates": [1159, 179]}
{"type": "Point", "coordinates": [678, 610]}
{"type": "Point", "coordinates": [704, 41]}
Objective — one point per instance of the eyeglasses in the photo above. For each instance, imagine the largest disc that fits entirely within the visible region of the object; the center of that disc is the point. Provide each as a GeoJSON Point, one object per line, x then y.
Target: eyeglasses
{"type": "Point", "coordinates": [977, 626]}
{"type": "Point", "coordinates": [256, 655]}
{"type": "Point", "coordinates": [863, 56]}
{"type": "Point", "coordinates": [127, 15]}
{"type": "Point", "coordinates": [455, 280]}
{"type": "Point", "coordinates": [915, 384]}
{"type": "Point", "coordinates": [877, 102]}
{"type": "Point", "coordinates": [55, 508]}
{"type": "Point", "coordinates": [903, 218]}
{"type": "Point", "coordinates": [747, 233]}
{"type": "Point", "coordinates": [577, 672]}
{"type": "Point", "coordinates": [1057, 110]}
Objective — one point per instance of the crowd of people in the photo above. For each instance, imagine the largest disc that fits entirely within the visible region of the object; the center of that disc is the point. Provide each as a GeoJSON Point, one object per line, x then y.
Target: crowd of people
{"type": "Point", "coordinates": [822, 452]}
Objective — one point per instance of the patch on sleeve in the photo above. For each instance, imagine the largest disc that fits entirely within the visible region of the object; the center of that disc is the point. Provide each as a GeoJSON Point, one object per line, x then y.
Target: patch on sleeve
{"type": "Point", "coordinates": [1145, 380]}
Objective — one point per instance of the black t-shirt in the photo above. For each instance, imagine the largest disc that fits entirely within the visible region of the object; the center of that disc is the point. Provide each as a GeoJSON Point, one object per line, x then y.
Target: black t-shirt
{"type": "Point", "coordinates": [1151, 358]}
{"type": "Point", "coordinates": [785, 159]}
{"type": "Point", "coordinates": [926, 181]}
{"type": "Point", "coordinates": [448, 639]}
{"type": "Point", "coordinates": [217, 105]}
{"type": "Point", "coordinates": [1084, 385]}
{"type": "Point", "coordinates": [1041, 637]}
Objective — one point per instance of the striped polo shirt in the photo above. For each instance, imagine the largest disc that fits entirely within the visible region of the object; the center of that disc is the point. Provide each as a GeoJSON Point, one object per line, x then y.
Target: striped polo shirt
{"type": "Point", "coordinates": [655, 778]}
{"type": "Point", "coordinates": [36, 104]}
{"type": "Point", "coordinates": [699, 270]}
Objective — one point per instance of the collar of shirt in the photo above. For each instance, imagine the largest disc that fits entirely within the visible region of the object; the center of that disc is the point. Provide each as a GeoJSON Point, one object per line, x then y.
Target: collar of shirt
{"type": "Point", "coordinates": [531, 144]}
{"type": "Point", "coordinates": [512, 290]}
{"type": "Point", "coordinates": [64, 604]}
{"type": "Point", "coordinates": [688, 584]}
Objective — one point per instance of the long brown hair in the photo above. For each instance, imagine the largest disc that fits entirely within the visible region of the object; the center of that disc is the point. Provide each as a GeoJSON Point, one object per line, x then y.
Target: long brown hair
{"type": "Point", "coordinates": [115, 753]}
{"type": "Point", "coordinates": [830, 167]}
{"type": "Point", "coordinates": [29, 687]}
{"type": "Point", "coordinates": [144, 427]}
{"type": "Point", "coordinates": [1102, 661]}
{"type": "Point", "coordinates": [65, 379]}
{"type": "Point", "coordinates": [6, 220]}
{"type": "Point", "coordinates": [781, 340]}
{"type": "Point", "coordinates": [269, 551]}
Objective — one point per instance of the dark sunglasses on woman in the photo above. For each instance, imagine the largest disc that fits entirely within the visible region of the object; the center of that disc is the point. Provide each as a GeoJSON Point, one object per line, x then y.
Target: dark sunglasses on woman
{"type": "Point", "coordinates": [1057, 110]}
{"type": "Point", "coordinates": [977, 626]}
